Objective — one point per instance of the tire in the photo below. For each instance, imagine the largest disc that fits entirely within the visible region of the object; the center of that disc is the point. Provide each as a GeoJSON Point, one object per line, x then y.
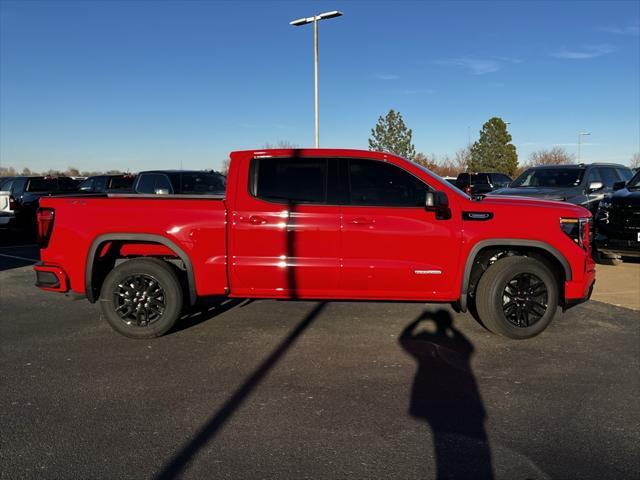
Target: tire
{"type": "Point", "coordinates": [511, 295]}
{"type": "Point", "coordinates": [141, 298]}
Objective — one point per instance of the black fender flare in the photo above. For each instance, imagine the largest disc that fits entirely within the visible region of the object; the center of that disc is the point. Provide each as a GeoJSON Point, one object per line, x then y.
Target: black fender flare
{"type": "Point", "coordinates": [143, 237]}
{"type": "Point", "coordinates": [510, 242]}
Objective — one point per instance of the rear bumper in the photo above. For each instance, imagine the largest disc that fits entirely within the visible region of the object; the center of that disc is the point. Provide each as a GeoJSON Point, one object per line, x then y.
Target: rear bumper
{"type": "Point", "coordinates": [7, 220]}
{"type": "Point", "coordinates": [51, 278]}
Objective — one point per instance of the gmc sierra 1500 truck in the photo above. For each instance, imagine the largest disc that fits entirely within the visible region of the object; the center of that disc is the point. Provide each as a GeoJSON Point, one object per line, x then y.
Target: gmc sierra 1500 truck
{"type": "Point", "coordinates": [318, 224]}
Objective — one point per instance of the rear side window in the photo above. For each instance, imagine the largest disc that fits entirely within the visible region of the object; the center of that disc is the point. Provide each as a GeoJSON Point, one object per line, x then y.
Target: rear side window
{"type": "Point", "coordinates": [121, 183]}
{"type": "Point", "coordinates": [383, 184]}
{"type": "Point", "coordinates": [42, 185]}
{"type": "Point", "coordinates": [202, 183]}
{"type": "Point", "coordinates": [301, 180]}
{"type": "Point", "coordinates": [480, 179]}
{"type": "Point", "coordinates": [153, 183]}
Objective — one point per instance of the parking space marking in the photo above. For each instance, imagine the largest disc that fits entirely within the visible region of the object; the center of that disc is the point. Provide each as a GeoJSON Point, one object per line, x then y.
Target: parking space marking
{"type": "Point", "coordinates": [19, 258]}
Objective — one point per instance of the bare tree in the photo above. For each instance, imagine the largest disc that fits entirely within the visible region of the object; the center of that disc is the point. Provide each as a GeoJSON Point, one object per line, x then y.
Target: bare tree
{"type": "Point", "coordinates": [555, 156]}
{"type": "Point", "coordinates": [72, 172]}
{"type": "Point", "coordinates": [225, 166]}
{"type": "Point", "coordinates": [280, 144]}
{"type": "Point", "coordinates": [7, 172]}
{"type": "Point", "coordinates": [461, 160]}
{"type": "Point", "coordinates": [635, 160]}
{"type": "Point", "coordinates": [26, 172]}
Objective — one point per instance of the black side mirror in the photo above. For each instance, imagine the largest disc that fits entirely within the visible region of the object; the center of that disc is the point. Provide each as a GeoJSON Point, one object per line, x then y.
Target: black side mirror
{"type": "Point", "coordinates": [619, 185]}
{"type": "Point", "coordinates": [438, 202]}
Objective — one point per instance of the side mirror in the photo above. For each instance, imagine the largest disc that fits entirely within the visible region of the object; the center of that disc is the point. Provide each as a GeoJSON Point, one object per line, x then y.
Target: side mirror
{"type": "Point", "coordinates": [430, 201]}
{"type": "Point", "coordinates": [162, 191]}
{"type": "Point", "coordinates": [619, 185]}
{"type": "Point", "coordinates": [595, 186]}
{"type": "Point", "coordinates": [439, 203]}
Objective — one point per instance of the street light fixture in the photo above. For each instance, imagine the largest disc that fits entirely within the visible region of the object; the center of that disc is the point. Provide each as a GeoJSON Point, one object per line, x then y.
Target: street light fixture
{"type": "Point", "coordinates": [303, 21]}
{"type": "Point", "coordinates": [580, 135]}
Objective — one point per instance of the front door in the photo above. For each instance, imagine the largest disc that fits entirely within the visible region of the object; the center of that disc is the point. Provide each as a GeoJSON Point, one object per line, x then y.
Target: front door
{"type": "Point", "coordinates": [392, 247]}
{"type": "Point", "coordinates": [285, 240]}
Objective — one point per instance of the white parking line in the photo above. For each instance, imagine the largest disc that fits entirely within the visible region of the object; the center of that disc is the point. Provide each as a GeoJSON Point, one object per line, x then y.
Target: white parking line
{"type": "Point", "coordinates": [19, 258]}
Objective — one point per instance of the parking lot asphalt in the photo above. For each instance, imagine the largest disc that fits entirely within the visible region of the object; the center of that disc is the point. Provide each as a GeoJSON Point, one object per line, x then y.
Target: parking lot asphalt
{"type": "Point", "coordinates": [268, 389]}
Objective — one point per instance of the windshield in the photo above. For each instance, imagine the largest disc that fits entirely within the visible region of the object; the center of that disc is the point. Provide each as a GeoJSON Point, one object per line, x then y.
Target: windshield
{"type": "Point", "coordinates": [201, 183]}
{"type": "Point", "coordinates": [549, 177]}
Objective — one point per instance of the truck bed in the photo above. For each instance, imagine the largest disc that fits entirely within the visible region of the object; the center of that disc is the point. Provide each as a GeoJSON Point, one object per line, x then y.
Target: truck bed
{"type": "Point", "coordinates": [190, 228]}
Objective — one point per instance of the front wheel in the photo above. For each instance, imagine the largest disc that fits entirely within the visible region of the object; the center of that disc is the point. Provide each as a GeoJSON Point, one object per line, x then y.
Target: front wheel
{"type": "Point", "coordinates": [141, 298]}
{"type": "Point", "coordinates": [517, 297]}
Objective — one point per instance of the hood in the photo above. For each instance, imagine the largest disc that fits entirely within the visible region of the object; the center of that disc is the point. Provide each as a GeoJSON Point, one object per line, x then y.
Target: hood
{"type": "Point", "coordinates": [549, 193]}
{"type": "Point", "coordinates": [563, 208]}
{"type": "Point", "coordinates": [626, 197]}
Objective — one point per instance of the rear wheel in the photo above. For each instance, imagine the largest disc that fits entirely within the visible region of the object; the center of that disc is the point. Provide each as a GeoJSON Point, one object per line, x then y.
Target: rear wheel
{"type": "Point", "coordinates": [517, 297]}
{"type": "Point", "coordinates": [141, 298]}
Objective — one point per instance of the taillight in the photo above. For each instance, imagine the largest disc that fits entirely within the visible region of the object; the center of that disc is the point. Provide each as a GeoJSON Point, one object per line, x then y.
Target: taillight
{"type": "Point", "coordinates": [45, 226]}
{"type": "Point", "coordinates": [467, 189]}
{"type": "Point", "coordinates": [577, 229]}
{"type": "Point", "coordinates": [12, 203]}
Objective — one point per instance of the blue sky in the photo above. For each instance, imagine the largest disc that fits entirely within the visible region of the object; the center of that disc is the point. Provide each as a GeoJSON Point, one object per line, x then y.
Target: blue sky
{"type": "Point", "coordinates": [138, 85]}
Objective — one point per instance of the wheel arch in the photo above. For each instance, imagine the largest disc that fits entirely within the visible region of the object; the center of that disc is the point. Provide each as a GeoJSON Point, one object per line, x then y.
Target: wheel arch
{"type": "Point", "coordinates": [535, 248]}
{"type": "Point", "coordinates": [100, 241]}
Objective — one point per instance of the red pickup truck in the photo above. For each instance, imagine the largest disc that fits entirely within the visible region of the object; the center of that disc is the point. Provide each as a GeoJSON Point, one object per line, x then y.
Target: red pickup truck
{"type": "Point", "coordinates": [318, 224]}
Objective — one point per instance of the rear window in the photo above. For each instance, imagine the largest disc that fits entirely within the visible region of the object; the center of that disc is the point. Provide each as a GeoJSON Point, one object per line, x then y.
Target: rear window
{"type": "Point", "coordinates": [549, 177]}
{"type": "Point", "coordinates": [199, 183]}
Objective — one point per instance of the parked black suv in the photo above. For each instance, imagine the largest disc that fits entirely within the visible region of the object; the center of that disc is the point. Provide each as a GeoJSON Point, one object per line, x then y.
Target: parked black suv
{"type": "Point", "coordinates": [476, 183]}
{"type": "Point", "coordinates": [27, 191]}
{"type": "Point", "coordinates": [107, 184]}
{"type": "Point", "coordinates": [180, 182]}
{"type": "Point", "coordinates": [583, 184]}
{"type": "Point", "coordinates": [617, 222]}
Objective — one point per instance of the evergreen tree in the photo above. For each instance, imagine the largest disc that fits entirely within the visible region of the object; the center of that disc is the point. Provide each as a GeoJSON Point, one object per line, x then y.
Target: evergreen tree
{"type": "Point", "coordinates": [391, 135]}
{"type": "Point", "coordinates": [494, 152]}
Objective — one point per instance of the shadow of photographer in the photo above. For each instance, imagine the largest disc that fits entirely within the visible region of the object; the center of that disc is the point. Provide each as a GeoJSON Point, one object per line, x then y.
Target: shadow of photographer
{"type": "Point", "coordinates": [445, 395]}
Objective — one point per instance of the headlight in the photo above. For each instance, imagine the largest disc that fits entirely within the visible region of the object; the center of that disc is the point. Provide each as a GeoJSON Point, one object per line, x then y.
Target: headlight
{"type": "Point", "coordinates": [577, 229]}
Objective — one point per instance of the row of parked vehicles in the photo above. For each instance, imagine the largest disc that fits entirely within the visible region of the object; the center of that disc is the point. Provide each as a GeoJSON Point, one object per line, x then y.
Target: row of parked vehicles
{"type": "Point", "coordinates": [20, 196]}
{"type": "Point", "coordinates": [609, 191]}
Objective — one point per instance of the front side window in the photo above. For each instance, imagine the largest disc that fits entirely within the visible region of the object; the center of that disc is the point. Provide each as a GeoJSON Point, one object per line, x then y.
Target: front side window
{"type": "Point", "coordinates": [383, 184]}
{"type": "Point", "coordinates": [625, 174]}
{"type": "Point", "coordinates": [301, 180]}
{"type": "Point", "coordinates": [86, 186]}
{"type": "Point", "coordinates": [609, 176]}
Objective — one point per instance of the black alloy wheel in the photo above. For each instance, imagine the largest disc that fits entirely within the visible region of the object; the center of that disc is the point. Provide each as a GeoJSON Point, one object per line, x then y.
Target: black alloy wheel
{"type": "Point", "coordinates": [142, 297]}
{"type": "Point", "coordinates": [524, 300]}
{"type": "Point", "coordinates": [139, 300]}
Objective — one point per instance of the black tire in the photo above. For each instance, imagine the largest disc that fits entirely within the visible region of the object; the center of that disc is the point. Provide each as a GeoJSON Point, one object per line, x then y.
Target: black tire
{"type": "Point", "coordinates": [509, 304]}
{"type": "Point", "coordinates": [142, 298]}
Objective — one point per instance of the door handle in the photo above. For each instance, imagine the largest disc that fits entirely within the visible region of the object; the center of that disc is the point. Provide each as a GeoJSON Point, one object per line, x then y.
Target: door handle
{"type": "Point", "coordinates": [254, 220]}
{"type": "Point", "coordinates": [362, 221]}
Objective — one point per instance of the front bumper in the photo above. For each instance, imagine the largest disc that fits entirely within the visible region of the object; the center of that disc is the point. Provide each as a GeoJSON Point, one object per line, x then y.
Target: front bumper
{"type": "Point", "coordinates": [615, 246]}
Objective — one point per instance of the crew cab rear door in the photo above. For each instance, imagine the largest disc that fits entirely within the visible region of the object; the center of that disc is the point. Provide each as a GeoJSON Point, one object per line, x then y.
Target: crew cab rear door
{"type": "Point", "coordinates": [285, 230]}
{"type": "Point", "coordinates": [391, 246]}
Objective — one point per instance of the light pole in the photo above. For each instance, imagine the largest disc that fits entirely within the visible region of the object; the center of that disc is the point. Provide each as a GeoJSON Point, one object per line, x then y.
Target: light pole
{"type": "Point", "coordinates": [580, 135]}
{"type": "Point", "coordinates": [304, 21]}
